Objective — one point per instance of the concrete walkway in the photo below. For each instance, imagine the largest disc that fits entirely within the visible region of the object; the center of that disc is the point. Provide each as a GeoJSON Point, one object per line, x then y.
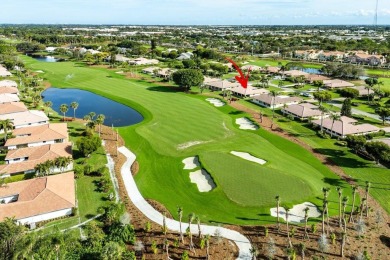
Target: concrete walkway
{"type": "Point", "coordinates": [135, 196]}
{"type": "Point", "coordinates": [356, 111]}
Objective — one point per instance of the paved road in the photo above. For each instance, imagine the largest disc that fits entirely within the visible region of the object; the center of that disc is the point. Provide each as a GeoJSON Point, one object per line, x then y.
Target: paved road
{"type": "Point", "coordinates": [357, 111]}
{"type": "Point", "coordinates": [135, 196]}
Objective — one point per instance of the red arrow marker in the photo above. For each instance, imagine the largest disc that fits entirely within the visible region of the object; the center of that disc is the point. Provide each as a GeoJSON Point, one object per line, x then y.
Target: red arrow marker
{"type": "Point", "coordinates": [242, 79]}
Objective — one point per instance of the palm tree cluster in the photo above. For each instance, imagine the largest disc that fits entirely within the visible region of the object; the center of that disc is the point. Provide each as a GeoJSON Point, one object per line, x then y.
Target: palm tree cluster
{"type": "Point", "coordinates": [49, 166]}
{"type": "Point", "coordinates": [92, 121]}
{"type": "Point", "coordinates": [6, 125]}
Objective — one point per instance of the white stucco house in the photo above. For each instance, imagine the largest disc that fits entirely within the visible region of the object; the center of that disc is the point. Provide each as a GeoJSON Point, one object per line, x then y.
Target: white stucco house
{"type": "Point", "coordinates": [35, 200]}
{"type": "Point", "coordinates": [27, 118]}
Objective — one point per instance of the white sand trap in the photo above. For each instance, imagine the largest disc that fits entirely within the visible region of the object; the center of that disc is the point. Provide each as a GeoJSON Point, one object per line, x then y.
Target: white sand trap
{"type": "Point", "coordinates": [39, 71]}
{"type": "Point", "coordinates": [246, 124]}
{"type": "Point", "coordinates": [191, 163]}
{"type": "Point", "coordinates": [247, 156]}
{"type": "Point", "coordinates": [297, 213]}
{"type": "Point", "coordinates": [189, 144]}
{"type": "Point", "coordinates": [216, 102]}
{"type": "Point", "coordinates": [203, 180]}
{"type": "Point", "coordinates": [119, 72]}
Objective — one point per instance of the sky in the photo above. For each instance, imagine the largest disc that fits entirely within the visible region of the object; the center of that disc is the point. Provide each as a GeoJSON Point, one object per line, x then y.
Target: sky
{"type": "Point", "coordinates": [194, 12]}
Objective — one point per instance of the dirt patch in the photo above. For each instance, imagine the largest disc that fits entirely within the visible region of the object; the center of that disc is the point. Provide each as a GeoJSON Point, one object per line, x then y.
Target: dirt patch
{"type": "Point", "coordinates": [134, 168]}
{"type": "Point", "coordinates": [159, 207]}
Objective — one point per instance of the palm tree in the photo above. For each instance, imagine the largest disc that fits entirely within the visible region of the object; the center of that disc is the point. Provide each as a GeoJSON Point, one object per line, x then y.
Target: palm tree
{"type": "Point", "coordinates": [6, 125]}
{"type": "Point", "coordinates": [180, 213]}
{"type": "Point", "coordinates": [273, 93]}
{"type": "Point", "coordinates": [306, 210]}
{"type": "Point", "coordinates": [324, 204]}
{"type": "Point", "coordinates": [166, 245]}
{"type": "Point", "coordinates": [41, 169]}
{"type": "Point", "coordinates": [277, 198]}
{"type": "Point", "coordinates": [254, 252]}
{"type": "Point", "coordinates": [362, 207]}
{"type": "Point", "coordinates": [164, 225]}
{"type": "Point", "coordinates": [344, 203]}
{"type": "Point", "coordinates": [288, 229]}
{"type": "Point", "coordinates": [91, 115]}
{"type": "Point", "coordinates": [48, 104]}
{"type": "Point", "coordinates": [340, 193]}
{"type": "Point", "coordinates": [190, 219]}
{"type": "Point", "coordinates": [334, 117]}
{"type": "Point", "coordinates": [323, 111]}
{"type": "Point", "coordinates": [207, 240]}
{"type": "Point", "coordinates": [354, 190]}
{"type": "Point", "coordinates": [368, 185]}
{"type": "Point", "coordinates": [64, 108]}
{"type": "Point", "coordinates": [100, 120]}
{"type": "Point", "coordinates": [197, 219]}
{"type": "Point", "coordinates": [74, 105]}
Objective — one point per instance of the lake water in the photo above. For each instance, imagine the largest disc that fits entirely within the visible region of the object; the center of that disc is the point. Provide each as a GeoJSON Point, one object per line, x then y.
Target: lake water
{"type": "Point", "coordinates": [116, 114]}
{"type": "Point", "coordinates": [45, 58]}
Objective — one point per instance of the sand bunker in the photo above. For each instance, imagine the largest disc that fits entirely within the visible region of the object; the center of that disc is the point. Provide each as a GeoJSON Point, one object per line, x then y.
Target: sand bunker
{"type": "Point", "coordinates": [297, 213]}
{"type": "Point", "coordinates": [191, 163]}
{"type": "Point", "coordinates": [203, 180]}
{"type": "Point", "coordinates": [247, 156]}
{"type": "Point", "coordinates": [119, 72]}
{"type": "Point", "coordinates": [246, 124]}
{"type": "Point", "coordinates": [216, 102]}
{"type": "Point", "coordinates": [39, 71]}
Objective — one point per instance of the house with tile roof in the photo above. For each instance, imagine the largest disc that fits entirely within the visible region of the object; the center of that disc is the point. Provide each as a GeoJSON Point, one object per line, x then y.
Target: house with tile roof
{"type": "Point", "coordinates": [12, 107]}
{"type": "Point", "coordinates": [8, 83]}
{"type": "Point", "coordinates": [303, 111]}
{"type": "Point", "coordinates": [345, 126]}
{"type": "Point", "coordinates": [250, 91]}
{"type": "Point", "coordinates": [9, 90]}
{"type": "Point", "coordinates": [27, 118]}
{"type": "Point", "coordinates": [4, 72]}
{"type": "Point", "coordinates": [221, 85]}
{"type": "Point", "coordinates": [38, 135]}
{"type": "Point", "coordinates": [266, 100]}
{"type": "Point", "coordinates": [7, 97]}
{"type": "Point", "coordinates": [337, 83]}
{"type": "Point", "coordinates": [24, 160]}
{"type": "Point", "coordinates": [39, 199]}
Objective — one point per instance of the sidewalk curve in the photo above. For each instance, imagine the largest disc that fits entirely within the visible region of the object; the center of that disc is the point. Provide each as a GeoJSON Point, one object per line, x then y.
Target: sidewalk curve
{"type": "Point", "coordinates": [135, 196]}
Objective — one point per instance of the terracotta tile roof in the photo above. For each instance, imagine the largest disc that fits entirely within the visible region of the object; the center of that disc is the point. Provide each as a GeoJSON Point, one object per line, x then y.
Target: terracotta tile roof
{"type": "Point", "coordinates": [26, 117]}
{"type": "Point", "coordinates": [337, 83]}
{"type": "Point", "coordinates": [39, 196]}
{"type": "Point", "coordinates": [35, 156]}
{"type": "Point", "coordinates": [252, 67]}
{"type": "Point", "coordinates": [346, 126]}
{"type": "Point", "coordinates": [222, 84]}
{"type": "Point", "coordinates": [295, 73]}
{"type": "Point", "coordinates": [313, 77]}
{"type": "Point", "coordinates": [35, 134]}
{"type": "Point", "coordinates": [12, 107]}
{"type": "Point", "coordinates": [8, 83]}
{"type": "Point", "coordinates": [208, 80]}
{"type": "Point", "coordinates": [303, 110]}
{"type": "Point", "coordinates": [9, 90]}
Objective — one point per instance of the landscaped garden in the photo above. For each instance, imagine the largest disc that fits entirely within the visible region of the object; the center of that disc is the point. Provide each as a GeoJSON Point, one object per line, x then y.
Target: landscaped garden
{"type": "Point", "coordinates": [178, 125]}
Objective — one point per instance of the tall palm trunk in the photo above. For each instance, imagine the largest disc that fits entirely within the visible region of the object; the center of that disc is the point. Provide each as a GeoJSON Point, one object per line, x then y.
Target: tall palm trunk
{"type": "Point", "coordinates": [288, 230]}
{"type": "Point", "coordinates": [339, 191]}
{"type": "Point", "coordinates": [368, 184]}
{"type": "Point", "coordinates": [353, 204]}
{"type": "Point", "coordinates": [323, 217]}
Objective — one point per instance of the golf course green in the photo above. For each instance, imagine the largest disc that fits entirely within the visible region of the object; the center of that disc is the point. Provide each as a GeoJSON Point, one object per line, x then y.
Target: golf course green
{"type": "Point", "coordinates": [178, 125]}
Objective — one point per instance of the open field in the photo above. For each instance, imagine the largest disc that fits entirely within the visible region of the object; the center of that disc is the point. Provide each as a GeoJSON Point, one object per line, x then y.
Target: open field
{"type": "Point", "coordinates": [179, 125]}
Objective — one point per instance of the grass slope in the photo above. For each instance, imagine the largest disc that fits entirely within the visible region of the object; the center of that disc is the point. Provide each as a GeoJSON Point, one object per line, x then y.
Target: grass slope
{"type": "Point", "coordinates": [172, 121]}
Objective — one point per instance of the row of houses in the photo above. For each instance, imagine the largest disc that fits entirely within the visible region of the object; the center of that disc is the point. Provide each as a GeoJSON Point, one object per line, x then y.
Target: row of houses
{"type": "Point", "coordinates": [307, 111]}
{"type": "Point", "coordinates": [34, 141]}
{"type": "Point", "coordinates": [4, 72]}
{"type": "Point", "coordinates": [356, 57]}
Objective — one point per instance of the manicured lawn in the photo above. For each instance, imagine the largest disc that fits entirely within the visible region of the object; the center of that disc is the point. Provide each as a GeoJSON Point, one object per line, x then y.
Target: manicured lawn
{"type": "Point", "coordinates": [173, 122]}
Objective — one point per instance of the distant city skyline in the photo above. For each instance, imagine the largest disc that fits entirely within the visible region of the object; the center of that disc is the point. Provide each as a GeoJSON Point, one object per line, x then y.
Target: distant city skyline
{"type": "Point", "coordinates": [195, 12]}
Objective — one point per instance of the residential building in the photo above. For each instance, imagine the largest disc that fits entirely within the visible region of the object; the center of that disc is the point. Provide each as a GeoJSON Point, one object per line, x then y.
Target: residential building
{"type": "Point", "coordinates": [150, 70]}
{"type": "Point", "coordinates": [337, 83]}
{"type": "Point", "coordinates": [27, 118]}
{"type": "Point", "coordinates": [345, 126]}
{"type": "Point", "coordinates": [295, 73]}
{"type": "Point", "coordinates": [12, 107]}
{"type": "Point", "coordinates": [7, 97]}
{"type": "Point", "coordinates": [268, 100]}
{"type": "Point", "coordinates": [185, 56]}
{"type": "Point", "coordinates": [4, 72]}
{"type": "Point", "coordinates": [250, 91]}
{"type": "Point", "coordinates": [368, 59]}
{"type": "Point", "coordinates": [303, 111]}
{"type": "Point", "coordinates": [24, 160]}
{"type": "Point", "coordinates": [38, 135]}
{"type": "Point", "coordinates": [221, 85]}
{"type": "Point", "coordinates": [39, 199]}
{"type": "Point", "coordinates": [143, 61]}
{"type": "Point", "coordinates": [8, 83]}
{"type": "Point", "coordinates": [331, 55]}
{"type": "Point", "coordinates": [9, 90]}
{"type": "Point", "coordinates": [315, 77]}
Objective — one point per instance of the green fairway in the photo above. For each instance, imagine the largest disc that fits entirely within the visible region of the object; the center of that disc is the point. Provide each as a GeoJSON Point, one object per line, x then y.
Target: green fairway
{"type": "Point", "coordinates": [179, 125]}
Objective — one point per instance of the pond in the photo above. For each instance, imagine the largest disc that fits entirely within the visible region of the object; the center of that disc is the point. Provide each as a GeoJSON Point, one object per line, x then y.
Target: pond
{"type": "Point", "coordinates": [45, 58]}
{"type": "Point", "coordinates": [116, 114]}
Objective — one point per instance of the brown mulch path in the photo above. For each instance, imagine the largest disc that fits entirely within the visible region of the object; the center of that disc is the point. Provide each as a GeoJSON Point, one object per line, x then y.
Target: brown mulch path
{"type": "Point", "coordinates": [222, 249]}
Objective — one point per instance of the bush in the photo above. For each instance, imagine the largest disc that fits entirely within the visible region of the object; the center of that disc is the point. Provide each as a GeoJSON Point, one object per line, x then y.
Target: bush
{"type": "Point", "coordinates": [88, 145]}
{"type": "Point", "coordinates": [349, 92]}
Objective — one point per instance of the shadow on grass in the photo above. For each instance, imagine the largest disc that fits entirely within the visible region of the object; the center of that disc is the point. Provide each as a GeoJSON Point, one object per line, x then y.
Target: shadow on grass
{"type": "Point", "coordinates": [385, 240]}
{"type": "Point", "coordinates": [170, 89]}
{"type": "Point", "coordinates": [336, 182]}
{"type": "Point", "coordinates": [236, 112]}
{"type": "Point", "coordinates": [339, 157]}
{"type": "Point", "coordinates": [244, 218]}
